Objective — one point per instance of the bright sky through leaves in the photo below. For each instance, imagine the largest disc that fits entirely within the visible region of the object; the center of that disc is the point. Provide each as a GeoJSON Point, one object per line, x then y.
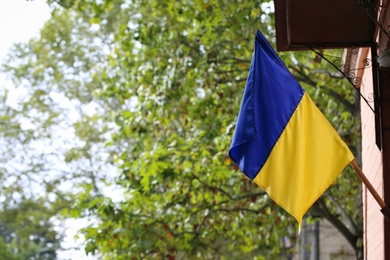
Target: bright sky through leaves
{"type": "Point", "coordinates": [21, 20]}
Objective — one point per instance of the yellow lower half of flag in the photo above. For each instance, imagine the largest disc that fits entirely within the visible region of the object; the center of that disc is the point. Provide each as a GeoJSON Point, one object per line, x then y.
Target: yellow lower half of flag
{"type": "Point", "coordinates": [305, 161]}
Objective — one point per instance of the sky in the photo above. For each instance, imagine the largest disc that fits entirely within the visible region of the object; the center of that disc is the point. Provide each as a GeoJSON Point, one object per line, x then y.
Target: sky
{"type": "Point", "coordinates": [21, 20]}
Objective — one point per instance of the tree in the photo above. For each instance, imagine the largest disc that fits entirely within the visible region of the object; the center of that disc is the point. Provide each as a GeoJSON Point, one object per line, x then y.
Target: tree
{"type": "Point", "coordinates": [50, 137]}
{"type": "Point", "coordinates": [170, 75]}
{"type": "Point", "coordinates": [26, 231]}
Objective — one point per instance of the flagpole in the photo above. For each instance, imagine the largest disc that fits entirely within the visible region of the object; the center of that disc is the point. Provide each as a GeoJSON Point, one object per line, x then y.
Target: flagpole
{"type": "Point", "coordinates": [384, 208]}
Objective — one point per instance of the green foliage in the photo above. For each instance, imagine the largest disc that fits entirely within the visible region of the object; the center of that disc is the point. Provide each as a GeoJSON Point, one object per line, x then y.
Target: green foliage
{"type": "Point", "coordinates": [26, 231]}
{"type": "Point", "coordinates": [152, 91]}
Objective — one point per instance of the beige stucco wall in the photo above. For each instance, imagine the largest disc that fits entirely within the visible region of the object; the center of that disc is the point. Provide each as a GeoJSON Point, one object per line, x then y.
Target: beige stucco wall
{"type": "Point", "coordinates": [372, 167]}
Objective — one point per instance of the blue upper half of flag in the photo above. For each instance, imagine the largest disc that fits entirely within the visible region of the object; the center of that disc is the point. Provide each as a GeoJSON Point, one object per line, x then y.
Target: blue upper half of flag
{"type": "Point", "coordinates": [270, 98]}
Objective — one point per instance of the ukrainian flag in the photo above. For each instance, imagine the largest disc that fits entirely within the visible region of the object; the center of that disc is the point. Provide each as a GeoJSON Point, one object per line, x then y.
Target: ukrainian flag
{"type": "Point", "coordinates": [282, 141]}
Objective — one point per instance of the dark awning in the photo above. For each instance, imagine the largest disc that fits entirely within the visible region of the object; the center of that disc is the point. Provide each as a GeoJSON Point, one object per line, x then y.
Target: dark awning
{"type": "Point", "coordinates": [304, 24]}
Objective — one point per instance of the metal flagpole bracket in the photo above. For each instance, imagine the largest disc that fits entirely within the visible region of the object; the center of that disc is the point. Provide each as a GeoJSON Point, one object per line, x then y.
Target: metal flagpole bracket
{"type": "Point", "coordinates": [386, 212]}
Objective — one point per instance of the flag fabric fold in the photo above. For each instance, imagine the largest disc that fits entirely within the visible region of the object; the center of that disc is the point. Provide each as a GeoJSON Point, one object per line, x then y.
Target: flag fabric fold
{"type": "Point", "coordinates": [282, 141]}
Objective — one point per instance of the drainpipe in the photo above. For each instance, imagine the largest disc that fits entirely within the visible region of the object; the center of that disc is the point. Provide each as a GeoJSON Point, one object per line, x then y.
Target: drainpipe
{"type": "Point", "coordinates": [316, 241]}
{"type": "Point", "coordinates": [305, 255]}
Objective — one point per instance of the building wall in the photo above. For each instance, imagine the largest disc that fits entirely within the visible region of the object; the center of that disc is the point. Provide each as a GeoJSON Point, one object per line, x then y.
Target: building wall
{"type": "Point", "coordinates": [332, 245]}
{"type": "Point", "coordinates": [372, 167]}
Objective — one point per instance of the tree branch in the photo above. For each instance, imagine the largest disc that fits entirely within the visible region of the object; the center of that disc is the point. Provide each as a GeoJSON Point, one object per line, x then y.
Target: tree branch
{"type": "Point", "coordinates": [321, 208]}
{"type": "Point", "coordinates": [232, 210]}
{"type": "Point", "coordinates": [342, 212]}
{"type": "Point", "coordinates": [304, 78]}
